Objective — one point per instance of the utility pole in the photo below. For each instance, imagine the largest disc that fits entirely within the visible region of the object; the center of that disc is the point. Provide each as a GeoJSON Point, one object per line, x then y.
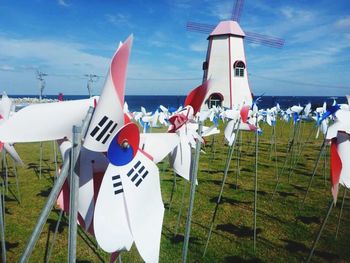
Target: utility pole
{"type": "Point", "coordinates": [40, 76]}
{"type": "Point", "coordinates": [91, 79]}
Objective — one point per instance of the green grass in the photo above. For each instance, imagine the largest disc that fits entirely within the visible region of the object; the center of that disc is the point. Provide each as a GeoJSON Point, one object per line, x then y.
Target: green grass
{"type": "Point", "coordinates": [286, 229]}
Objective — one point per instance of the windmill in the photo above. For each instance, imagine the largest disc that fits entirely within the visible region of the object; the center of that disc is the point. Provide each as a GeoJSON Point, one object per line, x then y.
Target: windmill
{"type": "Point", "coordinates": [225, 62]}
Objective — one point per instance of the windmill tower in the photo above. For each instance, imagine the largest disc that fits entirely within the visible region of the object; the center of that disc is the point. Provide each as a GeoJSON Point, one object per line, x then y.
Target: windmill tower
{"type": "Point", "coordinates": [225, 62]}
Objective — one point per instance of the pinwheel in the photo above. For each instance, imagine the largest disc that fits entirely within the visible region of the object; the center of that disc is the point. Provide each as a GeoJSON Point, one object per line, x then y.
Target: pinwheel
{"type": "Point", "coordinates": [181, 157]}
{"type": "Point", "coordinates": [339, 136]}
{"type": "Point", "coordinates": [327, 114]}
{"type": "Point", "coordinates": [128, 207]}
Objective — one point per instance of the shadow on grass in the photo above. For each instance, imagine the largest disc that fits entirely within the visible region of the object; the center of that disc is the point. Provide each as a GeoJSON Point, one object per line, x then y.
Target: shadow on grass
{"type": "Point", "coordinates": [309, 219]}
{"type": "Point", "coordinates": [230, 201]}
{"type": "Point", "coordinates": [10, 246]}
{"type": "Point", "coordinates": [180, 239]}
{"type": "Point", "coordinates": [238, 259]}
{"type": "Point", "coordinates": [286, 194]}
{"type": "Point", "coordinates": [296, 247]}
{"type": "Point", "coordinates": [35, 167]}
{"type": "Point", "coordinates": [299, 188]}
{"type": "Point", "coordinates": [241, 231]}
{"type": "Point", "coordinates": [45, 193]}
{"type": "Point", "coordinates": [52, 225]}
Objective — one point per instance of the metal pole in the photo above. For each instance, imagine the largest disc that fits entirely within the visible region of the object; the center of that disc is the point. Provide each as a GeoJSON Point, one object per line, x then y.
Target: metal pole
{"type": "Point", "coordinates": [55, 158]}
{"type": "Point", "coordinates": [227, 166]}
{"type": "Point", "coordinates": [256, 181]}
{"type": "Point", "coordinates": [73, 192]}
{"type": "Point", "coordinates": [17, 183]}
{"type": "Point", "coordinates": [52, 196]}
{"type": "Point", "coordinates": [48, 255]}
{"type": "Point", "coordinates": [340, 213]}
{"type": "Point", "coordinates": [315, 168]}
{"type": "Point", "coordinates": [320, 232]}
{"type": "Point", "coordinates": [40, 159]}
{"type": "Point", "coordinates": [172, 191]}
{"type": "Point", "coordinates": [192, 194]}
{"type": "Point", "coordinates": [2, 232]}
{"type": "Point", "coordinates": [180, 210]}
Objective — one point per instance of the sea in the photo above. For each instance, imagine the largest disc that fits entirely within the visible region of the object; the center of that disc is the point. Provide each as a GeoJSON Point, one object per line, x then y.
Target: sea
{"type": "Point", "coordinates": [151, 103]}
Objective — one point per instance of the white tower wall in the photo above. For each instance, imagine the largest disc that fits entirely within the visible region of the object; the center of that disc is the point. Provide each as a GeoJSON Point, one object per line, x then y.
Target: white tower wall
{"type": "Point", "coordinates": [224, 49]}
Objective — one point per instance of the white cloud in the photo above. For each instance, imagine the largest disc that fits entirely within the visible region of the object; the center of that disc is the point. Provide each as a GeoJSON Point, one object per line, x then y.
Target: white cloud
{"type": "Point", "coordinates": [56, 55]}
{"type": "Point", "coordinates": [199, 46]}
{"type": "Point", "coordinates": [6, 68]}
{"type": "Point", "coordinates": [63, 3]}
{"type": "Point", "coordinates": [222, 10]}
{"type": "Point", "coordinates": [343, 22]}
{"type": "Point", "coordinates": [297, 14]}
{"type": "Point", "coordinates": [118, 19]}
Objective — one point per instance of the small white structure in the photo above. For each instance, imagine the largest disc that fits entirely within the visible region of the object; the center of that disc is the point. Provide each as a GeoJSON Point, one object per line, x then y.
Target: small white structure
{"type": "Point", "coordinates": [226, 66]}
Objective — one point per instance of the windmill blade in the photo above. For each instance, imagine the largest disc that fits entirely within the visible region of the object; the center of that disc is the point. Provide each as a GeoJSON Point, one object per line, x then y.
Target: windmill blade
{"type": "Point", "coordinates": [264, 40]}
{"type": "Point", "coordinates": [237, 10]}
{"type": "Point", "coordinates": [200, 27]}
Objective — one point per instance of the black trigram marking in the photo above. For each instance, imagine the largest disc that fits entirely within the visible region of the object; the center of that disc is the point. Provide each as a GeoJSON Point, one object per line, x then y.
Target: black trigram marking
{"type": "Point", "coordinates": [117, 184]}
{"type": "Point", "coordinates": [103, 129]}
{"type": "Point", "coordinates": [137, 173]}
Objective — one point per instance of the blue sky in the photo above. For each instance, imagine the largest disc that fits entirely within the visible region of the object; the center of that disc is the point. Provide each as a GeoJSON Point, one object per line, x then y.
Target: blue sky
{"type": "Point", "coordinates": [69, 38]}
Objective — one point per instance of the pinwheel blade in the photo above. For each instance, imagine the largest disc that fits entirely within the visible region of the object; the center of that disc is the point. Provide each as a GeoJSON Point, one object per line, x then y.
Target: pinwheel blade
{"type": "Point", "coordinates": [111, 225]}
{"type": "Point", "coordinates": [45, 121]}
{"type": "Point", "coordinates": [180, 158]}
{"type": "Point", "coordinates": [13, 153]}
{"type": "Point", "coordinates": [90, 163]}
{"type": "Point", "coordinates": [196, 97]}
{"type": "Point", "coordinates": [109, 116]}
{"type": "Point", "coordinates": [158, 145]}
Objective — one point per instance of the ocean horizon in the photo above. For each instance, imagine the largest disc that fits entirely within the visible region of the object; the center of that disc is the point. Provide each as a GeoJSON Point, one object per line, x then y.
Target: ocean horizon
{"type": "Point", "coordinates": [152, 102]}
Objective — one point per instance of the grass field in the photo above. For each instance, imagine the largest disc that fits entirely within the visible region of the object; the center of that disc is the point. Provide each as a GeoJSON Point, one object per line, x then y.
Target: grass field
{"type": "Point", "coordinates": [285, 228]}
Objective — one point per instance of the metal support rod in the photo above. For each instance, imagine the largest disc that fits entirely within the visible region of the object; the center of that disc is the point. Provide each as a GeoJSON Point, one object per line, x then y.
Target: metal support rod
{"type": "Point", "coordinates": [340, 213]}
{"type": "Point", "coordinates": [172, 191]}
{"type": "Point", "coordinates": [40, 158]}
{"type": "Point", "coordinates": [239, 150]}
{"type": "Point", "coordinates": [291, 171]}
{"type": "Point", "coordinates": [51, 199]}
{"type": "Point", "coordinates": [194, 172]}
{"type": "Point", "coordinates": [320, 232]}
{"type": "Point", "coordinates": [2, 232]}
{"type": "Point", "coordinates": [6, 172]}
{"type": "Point", "coordinates": [227, 166]}
{"type": "Point", "coordinates": [17, 182]}
{"type": "Point", "coordinates": [55, 158]}
{"type": "Point", "coordinates": [314, 170]}
{"type": "Point", "coordinates": [48, 255]}
{"type": "Point", "coordinates": [73, 192]}
{"type": "Point", "coordinates": [256, 182]}
{"type": "Point", "coordinates": [180, 210]}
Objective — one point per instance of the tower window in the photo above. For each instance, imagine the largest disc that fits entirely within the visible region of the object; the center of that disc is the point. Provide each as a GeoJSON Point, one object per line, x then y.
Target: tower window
{"type": "Point", "coordinates": [239, 67]}
{"type": "Point", "coordinates": [215, 99]}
